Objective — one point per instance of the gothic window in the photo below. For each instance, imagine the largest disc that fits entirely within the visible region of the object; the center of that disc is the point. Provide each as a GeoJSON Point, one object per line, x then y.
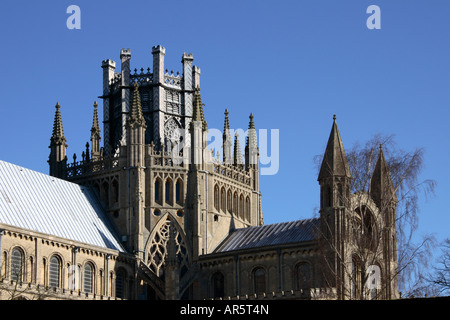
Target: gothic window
{"type": "Point", "coordinates": [229, 202]}
{"type": "Point", "coordinates": [158, 190]}
{"type": "Point", "coordinates": [235, 203]}
{"type": "Point", "coordinates": [247, 209]}
{"type": "Point", "coordinates": [340, 195]}
{"type": "Point", "coordinates": [172, 133]}
{"type": "Point", "coordinates": [223, 200]}
{"type": "Point", "coordinates": [241, 206]}
{"type": "Point", "coordinates": [115, 188]}
{"type": "Point", "coordinates": [365, 228]}
{"type": "Point", "coordinates": [218, 285]}
{"type": "Point", "coordinates": [259, 280]}
{"type": "Point", "coordinates": [356, 285]}
{"type": "Point", "coordinates": [120, 283]}
{"type": "Point", "coordinates": [105, 189]}
{"type": "Point", "coordinates": [88, 278]}
{"type": "Point", "coordinates": [216, 197]}
{"type": "Point", "coordinates": [55, 272]}
{"type": "Point", "coordinates": [168, 191]}
{"type": "Point", "coordinates": [17, 258]}
{"type": "Point", "coordinates": [179, 192]}
{"type": "Point", "coordinates": [329, 196]}
{"type": "Point", "coordinates": [303, 271]}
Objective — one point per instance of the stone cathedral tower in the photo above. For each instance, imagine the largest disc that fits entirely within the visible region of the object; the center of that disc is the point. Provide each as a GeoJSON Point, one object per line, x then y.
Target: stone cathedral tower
{"type": "Point", "coordinates": [170, 204]}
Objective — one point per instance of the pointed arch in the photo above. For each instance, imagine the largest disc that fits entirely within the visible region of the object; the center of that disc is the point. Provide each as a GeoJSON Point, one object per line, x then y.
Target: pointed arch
{"type": "Point", "coordinates": [179, 195]}
{"type": "Point", "coordinates": [156, 246]}
{"type": "Point", "coordinates": [247, 209]}
{"type": "Point", "coordinates": [216, 198]}
{"type": "Point", "coordinates": [229, 202]}
{"type": "Point", "coordinates": [223, 200]}
{"type": "Point", "coordinates": [241, 206]}
{"type": "Point", "coordinates": [235, 204]}
{"type": "Point", "coordinates": [158, 190]}
{"type": "Point", "coordinates": [168, 191]}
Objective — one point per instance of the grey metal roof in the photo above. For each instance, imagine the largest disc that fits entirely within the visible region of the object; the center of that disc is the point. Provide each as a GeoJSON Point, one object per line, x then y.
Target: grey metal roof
{"type": "Point", "coordinates": [38, 202]}
{"type": "Point", "coordinates": [270, 235]}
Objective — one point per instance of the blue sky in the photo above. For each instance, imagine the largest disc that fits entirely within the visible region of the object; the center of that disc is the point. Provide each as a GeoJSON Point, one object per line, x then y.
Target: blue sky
{"type": "Point", "coordinates": [292, 63]}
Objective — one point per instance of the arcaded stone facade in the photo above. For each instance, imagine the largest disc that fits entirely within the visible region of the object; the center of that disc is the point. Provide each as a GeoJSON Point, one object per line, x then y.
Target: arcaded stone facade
{"type": "Point", "coordinates": [190, 222]}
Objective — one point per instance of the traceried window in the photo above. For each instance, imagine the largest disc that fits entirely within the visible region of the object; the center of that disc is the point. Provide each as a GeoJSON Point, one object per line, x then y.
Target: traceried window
{"type": "Point", "coordinates": [55, 272]}
{"type": "Point", "coordinates": [157, 252]}
{"type": "Point", "coordinates": [17, 258]}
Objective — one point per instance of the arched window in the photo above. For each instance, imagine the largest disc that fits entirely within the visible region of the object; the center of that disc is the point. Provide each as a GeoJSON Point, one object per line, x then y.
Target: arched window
{"type": "Point", "coordinates": [235, 204]}
{"type": "Point", "coordinates": [120, 284]}
{"type": "Point", "coordinates": [365, 228]}
{"type": "Point", "coordinates": [17, 259]}
{"type": "Point", "coordinates": [105, 190]}
{"type": "Point", "coordinates": [158, 190]}
{"type": "Point", "coordinates": [88, 279]}
{"type": "Point", "coordinates": [179, 192]}
{"type": "Point", "coordinates": [115, 187]}
{"type": "Point", "coordinates": [229, 202]}
{"type": "Point", "coordinates": [168, 191]}
{"type": "Point", "coordinates": [218, 285]}
{"type": "Point", "coordinates": [216, 197]}
{"type": "Point", "coordinates": [356, 285]}
{"type": "Point", "coordinates": [223, 200]}
{"type": "Point", "coordinates": [303, 271]}
{"type": "Point", "coordinates": [241, 206]}
{"type": "Point", "coordinates": [259, 280]}
{"type": "Point", "coordinates": [340, 195]}
{"type": "Point", "coordinates": [247, 209]}
{"type": "Point", "coordinates": [54, 272]}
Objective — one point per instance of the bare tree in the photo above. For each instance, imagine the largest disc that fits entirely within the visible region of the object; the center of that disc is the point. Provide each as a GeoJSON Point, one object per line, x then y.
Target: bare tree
{"type": "Point", "coordinates": [368, 227]}
{"type": "Point", "coordinates": [440, 277]}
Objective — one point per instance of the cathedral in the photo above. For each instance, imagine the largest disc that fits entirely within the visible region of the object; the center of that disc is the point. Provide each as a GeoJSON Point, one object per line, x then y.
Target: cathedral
{"type": "Point", "coordinates": [147, 212]}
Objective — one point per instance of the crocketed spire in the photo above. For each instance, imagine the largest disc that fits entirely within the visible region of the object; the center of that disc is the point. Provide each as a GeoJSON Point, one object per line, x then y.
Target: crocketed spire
{"type": "Point", "coordinates": [237, 151]}
{"type": "Point", "coordinates": [136, 109]}
{"type": "Point", "coordinates": [198, 114]}
{"type": "Point", "coordinates": [58, 131]}
{"type": "Point", "coordinates": [95, 130]}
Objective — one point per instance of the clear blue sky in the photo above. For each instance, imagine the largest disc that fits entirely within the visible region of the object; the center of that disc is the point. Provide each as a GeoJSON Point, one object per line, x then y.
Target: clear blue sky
{"type": "Point", "coordinates": [292, 63]}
